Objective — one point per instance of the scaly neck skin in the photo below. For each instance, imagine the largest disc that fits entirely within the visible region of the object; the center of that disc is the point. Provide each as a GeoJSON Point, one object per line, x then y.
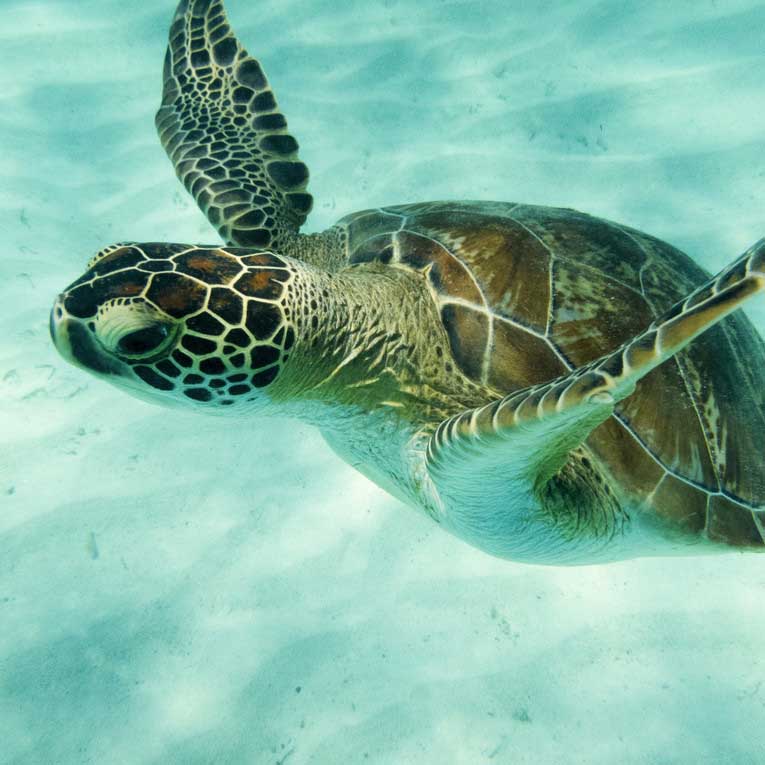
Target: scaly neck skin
{"type": "Point", "coordinates": [371, 367]}
{"type": "Point", "coordinates": [325, 250]}
{"type": "Point", "coordinates": [368, 341]}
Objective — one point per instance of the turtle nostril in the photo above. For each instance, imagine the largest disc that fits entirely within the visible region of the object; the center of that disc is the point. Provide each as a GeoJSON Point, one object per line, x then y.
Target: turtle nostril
{"type": "Point", "coordinates": [143, 341]}
{"type": "Point", "coordinates": [56, 316]}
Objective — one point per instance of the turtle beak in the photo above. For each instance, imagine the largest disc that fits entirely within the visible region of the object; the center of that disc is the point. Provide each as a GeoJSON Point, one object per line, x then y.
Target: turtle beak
{"type": "Point", "coordinates": [75, 342]}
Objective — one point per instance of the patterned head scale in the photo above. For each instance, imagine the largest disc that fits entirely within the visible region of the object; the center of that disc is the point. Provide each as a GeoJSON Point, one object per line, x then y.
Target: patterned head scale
{"type": "Point", "coordinates": [172, 321]}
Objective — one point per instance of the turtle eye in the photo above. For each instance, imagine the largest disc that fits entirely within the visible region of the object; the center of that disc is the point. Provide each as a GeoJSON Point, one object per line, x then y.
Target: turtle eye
{"type": "Point", "coordinates": [143, 341]}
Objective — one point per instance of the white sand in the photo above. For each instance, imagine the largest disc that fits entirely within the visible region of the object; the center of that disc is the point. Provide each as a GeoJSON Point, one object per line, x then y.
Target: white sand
{"type": "Point", "coordinates": [177, 589]}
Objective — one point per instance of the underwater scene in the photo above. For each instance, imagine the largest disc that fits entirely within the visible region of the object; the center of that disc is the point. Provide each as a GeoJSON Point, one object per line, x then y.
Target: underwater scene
{"type": "Point", "coordinates": [388, 546]}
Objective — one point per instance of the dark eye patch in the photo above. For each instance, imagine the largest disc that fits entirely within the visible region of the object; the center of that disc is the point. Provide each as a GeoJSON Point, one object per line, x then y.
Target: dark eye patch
{"type": "Point", "coordinates": [143, 341]}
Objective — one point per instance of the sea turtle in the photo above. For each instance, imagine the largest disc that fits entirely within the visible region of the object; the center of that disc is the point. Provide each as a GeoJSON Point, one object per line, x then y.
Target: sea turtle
{"type": "Point", "coordinates": [516, 372]}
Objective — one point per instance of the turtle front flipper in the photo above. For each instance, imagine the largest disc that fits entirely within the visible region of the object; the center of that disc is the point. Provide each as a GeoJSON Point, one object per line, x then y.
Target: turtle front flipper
{"type": "Point", "coordinates": [221, 128]}
{"type": "Point", "coordinates": [514, 477]}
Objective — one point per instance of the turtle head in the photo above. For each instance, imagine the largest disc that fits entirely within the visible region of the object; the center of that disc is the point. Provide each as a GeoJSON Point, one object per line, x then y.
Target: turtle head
{"type": "Point", "coordinates": [175, 323]}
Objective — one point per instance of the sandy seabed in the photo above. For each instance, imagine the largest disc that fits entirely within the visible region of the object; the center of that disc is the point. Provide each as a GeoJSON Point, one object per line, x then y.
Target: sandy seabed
{"type": "Point", "coordinates": [178, 589]}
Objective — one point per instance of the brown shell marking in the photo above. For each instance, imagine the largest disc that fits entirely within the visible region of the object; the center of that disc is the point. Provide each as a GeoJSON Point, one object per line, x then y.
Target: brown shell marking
{"type": "Point", "coordinates": [515, 288]}
{"type": "Point", "coordinates": [534, 292]}
{"type": "Point", "coordinates": [509, 302]}
{"type": "Point", "coordinates": [727, 523]}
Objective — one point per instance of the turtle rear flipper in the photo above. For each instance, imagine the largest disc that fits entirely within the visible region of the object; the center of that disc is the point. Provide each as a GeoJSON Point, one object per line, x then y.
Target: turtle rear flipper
{"type": "Point", "coordinates": [492, 466]}
{"type": "Point", "coordinates": [220, 126]}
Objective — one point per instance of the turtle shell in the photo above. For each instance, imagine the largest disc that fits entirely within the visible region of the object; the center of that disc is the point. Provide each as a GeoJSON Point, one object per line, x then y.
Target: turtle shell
{"type": "Point", "coordinates": [528, 293]}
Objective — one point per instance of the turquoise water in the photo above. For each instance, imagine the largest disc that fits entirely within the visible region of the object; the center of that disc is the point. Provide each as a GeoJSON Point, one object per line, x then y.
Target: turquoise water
{"type": "Point", "coordinates": [178, 589]}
